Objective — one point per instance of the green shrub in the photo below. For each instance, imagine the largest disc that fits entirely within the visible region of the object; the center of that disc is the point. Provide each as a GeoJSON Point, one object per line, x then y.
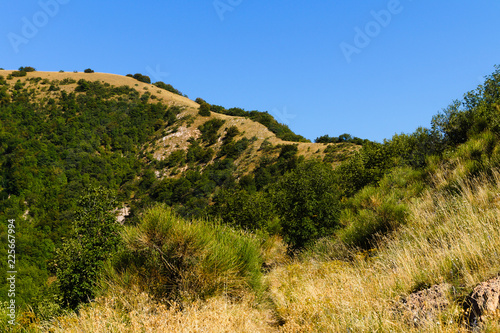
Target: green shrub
{"type": "Point", "coordinates": [173, 258]}
{"type": "Point", "coordinates": [88, 70]}
{"type": "Point", "coordinates": [308, 204]}
{"type": "Point", "coordinates": [67, 81]}
{"type": "Point", "coordinates": [27, 69]}
{"type": "Point", "coordinates": [341, 138]}
{"type": "Point", "coordinates": [204, 110]}
{"type": "Point", "coordinates": [231, 132]}
{"type": "Point", "coordinates": [4, 96]}
{"type": "Point", "coordinates": [249, 211]}
{"type": "Point", "coordinates": [78, 263]}
{"type": "Point", "coordinates": [19, 85]}
{"type": "Point", "coordinates": [54, 87]}
{"type": "Point", "coordinates": [413, 149]}
{"type": "Point", "coordinates": [366, 167]}
{"type": "Point", "coordinates": [140, 77]}
{"type": "Point", "coordinates": [210, 129]}
{"type": "Point", "coordinates": [18, 73]}
{"type": "Point", "coordinates": [234, 149]}
{"type": "Point", "coordinates": [197, 153]}
{"type": "Point", "coordinates": [336, 153]}
{"type": "Point", "coordinates": [167, 87]}
{"type": "Point", "coordinates": [176, 158]}
{"type": "Point", "coordinates": [377, 210]}
{"type": "Point", "coordinates": [199, 100]}
{"type": "Point", "coordinates": [479, 155]}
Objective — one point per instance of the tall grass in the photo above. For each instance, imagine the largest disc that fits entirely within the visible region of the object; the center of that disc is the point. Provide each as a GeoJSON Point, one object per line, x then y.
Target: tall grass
{"type": "Point", "coordinates": [447, 238]}
{"type": "Point", "coordinates": [377, 210]}
{"type": "Point", "coordinates": [130, 311]}
{"type": "Point", "coordinates": [174, 258]}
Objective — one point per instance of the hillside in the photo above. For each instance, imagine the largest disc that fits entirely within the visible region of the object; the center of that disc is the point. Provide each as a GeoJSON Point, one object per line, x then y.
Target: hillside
{"type": "Point", "coordinates": [247, 128]}
{"type": "Point", "coordinates": [62, 134]}
{"type": "Point", "coordinates": [223, 226]}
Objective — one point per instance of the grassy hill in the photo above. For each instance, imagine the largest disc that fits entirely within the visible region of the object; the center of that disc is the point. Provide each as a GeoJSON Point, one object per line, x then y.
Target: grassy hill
{"type": "Point", "coordinates": [223, 226]}
{"type": "Point", "coordinates": [179, 134]}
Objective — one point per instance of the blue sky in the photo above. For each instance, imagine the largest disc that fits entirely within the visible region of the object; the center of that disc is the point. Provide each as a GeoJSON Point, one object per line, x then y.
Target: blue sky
{"type": "Point", "coordinates": [371, 69]}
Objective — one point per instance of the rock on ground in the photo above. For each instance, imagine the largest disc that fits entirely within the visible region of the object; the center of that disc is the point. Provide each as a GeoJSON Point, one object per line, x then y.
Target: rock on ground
{"type": "Point", "coordinates": [484, 300]}
{"type": "Point", "coordinates": [423, 307]}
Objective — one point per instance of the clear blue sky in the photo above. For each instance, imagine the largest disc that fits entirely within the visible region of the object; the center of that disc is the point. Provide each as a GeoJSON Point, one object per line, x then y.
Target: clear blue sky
{"type": "Point", "coordinates": [368, 68]}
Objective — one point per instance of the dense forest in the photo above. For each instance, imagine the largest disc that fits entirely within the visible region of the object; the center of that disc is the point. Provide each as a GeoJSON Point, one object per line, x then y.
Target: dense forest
{"type": "Point", "coordinates": [70, 159]}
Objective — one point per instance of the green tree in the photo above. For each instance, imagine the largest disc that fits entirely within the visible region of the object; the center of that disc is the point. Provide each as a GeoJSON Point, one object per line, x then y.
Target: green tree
{"type": "Point", "coordinates": [27, 69]}
{"type": "Point", "coordinates": [204, 110]}
{"type": "Point", "coordinates": [142, 78]}
{"type": "Point", "coordinates": [209, 130]}
{"type": "Point", "coordinates": [168, 87]}
{"type": "Point", "coordinates": [307, 202]}
{"type": "Point", "coordinates": [94, 239]}
{"type": "Point", "coordinates": [4, 96]}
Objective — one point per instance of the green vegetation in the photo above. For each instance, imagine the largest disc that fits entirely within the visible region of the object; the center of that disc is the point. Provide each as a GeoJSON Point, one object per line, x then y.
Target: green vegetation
{"type": "Point", "coordinates": [308, 204]}
{"type": "Point", "coordinates": [173, 258]}
{"type": "Point", "coordinates": [340, 139]}
{"type": "Point", "coordinates": [168, 87]}
{"type": "Point", "coordinates": [94, 238]}
{"type": "Point", "coordinates": [282, 131]}
{"type": "Point", "coordinates": [204, 110]}
{"type": "Point", "coordinates": [140, 77]}
{"type": "Point", "coordinates": [209, 130]}
{"type": "Point", "coordinates": [52, 150]}
{"type": "Point", "coordinates": [27, 69]}
{"type": "Point", "coordinates": [198, 229]}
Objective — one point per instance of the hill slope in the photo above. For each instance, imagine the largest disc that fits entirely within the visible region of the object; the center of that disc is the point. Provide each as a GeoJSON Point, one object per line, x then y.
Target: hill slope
{"type": "Point", "coordinates": [226, 226]}
{"type": "Point", "coordinates": [62, 134]}
{"type": "Point", "coordinates": [246, 127]}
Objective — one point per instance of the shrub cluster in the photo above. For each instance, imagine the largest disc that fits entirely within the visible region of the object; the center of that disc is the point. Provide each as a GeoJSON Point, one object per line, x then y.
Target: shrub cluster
{"type": "Point", "coordinates": [173, 258]}
{"type": "Point", "coordinates": [140, 77]}
{"type": "Point", "coordinates": [282, 131]}
{"type": "Point", "coordinates": [168, 87]}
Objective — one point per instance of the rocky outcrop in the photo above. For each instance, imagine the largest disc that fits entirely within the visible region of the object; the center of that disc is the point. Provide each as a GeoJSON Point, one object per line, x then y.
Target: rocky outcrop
{"type": "Point", "coordinates": [423, 307]}
{"type": "Point", "coordinates": [484, 300]}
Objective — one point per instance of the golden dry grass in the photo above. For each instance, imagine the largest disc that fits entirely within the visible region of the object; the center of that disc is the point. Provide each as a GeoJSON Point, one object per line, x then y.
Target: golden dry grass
{"type": "Point", "coordinates": [132, 311]}
{"type": "Point", "coordinates": [113, 79]}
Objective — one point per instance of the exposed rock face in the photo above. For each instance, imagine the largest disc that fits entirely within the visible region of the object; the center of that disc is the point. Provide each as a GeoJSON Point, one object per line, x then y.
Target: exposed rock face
{"type": "Point", "coordinates": [484, 300]}
{"type": "Point", "coordinates": [122, 214]}
{"type": "Point", "coordinates": [424, 306]}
